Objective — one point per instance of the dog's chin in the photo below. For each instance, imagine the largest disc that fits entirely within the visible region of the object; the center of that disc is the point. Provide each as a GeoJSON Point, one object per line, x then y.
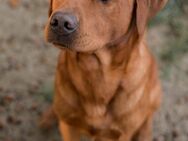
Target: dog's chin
{"type": "Point", "coordinates": [77, 48]}
{"type": "Point", "coordinates": [62, 46]}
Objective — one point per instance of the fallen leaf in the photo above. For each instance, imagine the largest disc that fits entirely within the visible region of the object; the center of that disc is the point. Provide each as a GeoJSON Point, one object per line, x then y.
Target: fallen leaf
{"type": "Point", "coordinates": [13, 120]}
{"type": "Point", "coordinates": [14, 3]}
{"type": "Point", "coordinates": [1, 125]}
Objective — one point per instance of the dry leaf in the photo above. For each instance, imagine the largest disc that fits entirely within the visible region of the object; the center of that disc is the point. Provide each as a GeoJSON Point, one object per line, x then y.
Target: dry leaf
{"type": "Point", "coordinates": [14, 3]}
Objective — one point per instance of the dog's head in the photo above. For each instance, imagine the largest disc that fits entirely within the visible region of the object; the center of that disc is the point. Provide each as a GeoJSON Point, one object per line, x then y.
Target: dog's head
{"type": "Point", "coordinates": [87, 25]}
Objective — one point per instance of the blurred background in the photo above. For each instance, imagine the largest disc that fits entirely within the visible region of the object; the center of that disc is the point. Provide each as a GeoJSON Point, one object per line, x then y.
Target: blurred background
{"type": "Point", "coordinates": [27, 66]}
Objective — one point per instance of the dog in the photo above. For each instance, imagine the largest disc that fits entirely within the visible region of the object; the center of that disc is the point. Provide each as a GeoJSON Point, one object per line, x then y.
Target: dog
{"type": "Point", "coordinates": [107, 84]}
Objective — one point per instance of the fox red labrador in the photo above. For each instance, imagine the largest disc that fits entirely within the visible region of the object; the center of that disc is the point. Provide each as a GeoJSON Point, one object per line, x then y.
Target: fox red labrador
{"type": "Point", "coordinates": [107, 84]}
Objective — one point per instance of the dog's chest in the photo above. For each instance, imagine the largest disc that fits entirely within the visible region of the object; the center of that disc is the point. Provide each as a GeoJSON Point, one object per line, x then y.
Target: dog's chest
{"type": "Point", "coordinates": [92, 119]}
{"type": "Point", "coordinates": [90, 81]}
{"type": "Point", "coordinates": [85, 92]}
{"type": "Point", "coordinates": [100, 122]}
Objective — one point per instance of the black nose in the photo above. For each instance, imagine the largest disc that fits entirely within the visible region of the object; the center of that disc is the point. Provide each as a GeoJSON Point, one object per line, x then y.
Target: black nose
{"type": "Point", "coordinates": [64, 23]}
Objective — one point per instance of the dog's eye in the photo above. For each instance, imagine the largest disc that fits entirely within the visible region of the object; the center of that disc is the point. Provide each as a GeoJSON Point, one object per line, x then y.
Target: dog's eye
{"type": "Point", "coordinates": [105, 1]}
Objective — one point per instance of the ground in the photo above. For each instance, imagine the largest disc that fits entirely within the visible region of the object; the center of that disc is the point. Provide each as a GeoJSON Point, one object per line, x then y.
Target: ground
{"type": "Point", "coordinates": [27, 65]}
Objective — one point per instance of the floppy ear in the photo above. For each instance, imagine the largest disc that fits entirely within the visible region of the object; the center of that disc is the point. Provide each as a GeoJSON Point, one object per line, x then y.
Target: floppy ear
{"type": "Point", "coordinates": [146, 9]}
{"type": "Point", "coordinates": [50, 8]}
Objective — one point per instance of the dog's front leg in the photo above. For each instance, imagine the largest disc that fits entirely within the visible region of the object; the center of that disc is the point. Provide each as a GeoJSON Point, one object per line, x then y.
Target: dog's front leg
{"type": "Point", "coordinates": [104, 139]}
{"type": "Point", "coordinates": [69, 133]}
{"type": "Point", "coordinates": [145, 132]}
{"type": "Point", "coordinates": [48, 119]}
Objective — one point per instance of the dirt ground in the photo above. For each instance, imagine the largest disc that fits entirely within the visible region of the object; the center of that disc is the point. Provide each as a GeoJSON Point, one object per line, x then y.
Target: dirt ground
{"type": "Point", "coordinates": [27, 65]}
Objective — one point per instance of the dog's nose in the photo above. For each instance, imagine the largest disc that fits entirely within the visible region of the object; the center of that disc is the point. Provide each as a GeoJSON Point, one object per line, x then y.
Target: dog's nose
{"type": "Point", "coordinates": [64, 23]}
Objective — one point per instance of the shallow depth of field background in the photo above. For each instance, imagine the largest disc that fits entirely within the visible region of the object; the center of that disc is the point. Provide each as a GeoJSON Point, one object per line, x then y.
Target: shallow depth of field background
{"type": "Point", "coordinates": [27, 66]}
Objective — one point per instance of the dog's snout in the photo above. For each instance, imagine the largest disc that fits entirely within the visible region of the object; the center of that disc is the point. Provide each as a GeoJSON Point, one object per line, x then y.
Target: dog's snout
{"type": "Point", "coordinates": [64, 23]}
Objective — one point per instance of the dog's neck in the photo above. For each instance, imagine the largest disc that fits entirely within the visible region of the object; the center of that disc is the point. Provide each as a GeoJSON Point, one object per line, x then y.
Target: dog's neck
{"type": "Point", "coordinates": [104, 60]}
{"type": "Point", "coordinates": [97, 77]}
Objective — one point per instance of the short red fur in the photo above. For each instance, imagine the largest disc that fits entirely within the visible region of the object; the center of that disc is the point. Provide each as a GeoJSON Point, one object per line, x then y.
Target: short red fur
{"type": "Point", "coordinates": [107, 84]}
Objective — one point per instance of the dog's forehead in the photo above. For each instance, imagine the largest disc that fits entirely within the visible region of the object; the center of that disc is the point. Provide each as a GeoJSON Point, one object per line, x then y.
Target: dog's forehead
{"type": "Point", "coordinates": [81, 1]}
{"type": "Point", "coordinates": [57, 3]}
{"type": "Point", "coordinates": [84, 2]}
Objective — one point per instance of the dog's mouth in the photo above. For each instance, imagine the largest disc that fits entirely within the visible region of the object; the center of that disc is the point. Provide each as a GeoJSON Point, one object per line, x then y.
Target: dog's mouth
{"type": "Point", "coordinates": [61, 45]}
{"type": "Point", "coordinates": [61, 41]}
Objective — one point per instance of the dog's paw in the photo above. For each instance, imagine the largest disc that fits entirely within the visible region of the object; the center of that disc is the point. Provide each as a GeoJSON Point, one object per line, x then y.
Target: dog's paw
{"type": "Point", "coordinates": [48, 119]}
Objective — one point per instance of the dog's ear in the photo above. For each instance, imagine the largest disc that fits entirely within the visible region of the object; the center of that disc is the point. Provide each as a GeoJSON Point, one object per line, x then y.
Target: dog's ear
{"type": "Point", "coordinates": [50, 8]}
{"type": "Point", "coordinates": [146, 9]}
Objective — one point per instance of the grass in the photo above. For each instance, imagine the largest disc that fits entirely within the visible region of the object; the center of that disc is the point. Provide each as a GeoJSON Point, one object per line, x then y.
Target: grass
{"type": "Point", "coordinates": [175, 51]}
{"type": "Point", "coordinates": [173, 10]}
{"type": "Point", "coordinates": [174, 16]}
{"type": "Point", "coordinates": [46, 91]}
